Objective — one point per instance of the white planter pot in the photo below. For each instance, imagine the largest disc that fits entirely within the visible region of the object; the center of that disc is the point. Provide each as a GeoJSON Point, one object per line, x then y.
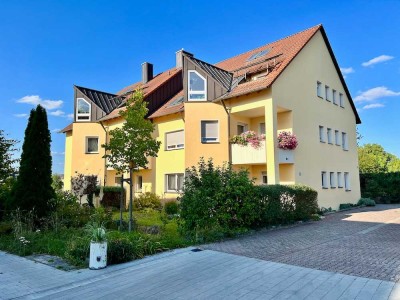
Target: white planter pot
{"type": "Point", "coordinates": [98, 255]}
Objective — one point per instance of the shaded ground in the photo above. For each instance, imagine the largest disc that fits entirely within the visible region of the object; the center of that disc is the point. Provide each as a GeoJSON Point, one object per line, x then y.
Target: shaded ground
{"type": "Point", "coordinates": [362, 242]}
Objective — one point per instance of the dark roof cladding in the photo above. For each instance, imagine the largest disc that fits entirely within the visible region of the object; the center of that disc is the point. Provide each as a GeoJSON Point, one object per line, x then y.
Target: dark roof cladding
{"type": "Point", "coordinates": [106, 101]}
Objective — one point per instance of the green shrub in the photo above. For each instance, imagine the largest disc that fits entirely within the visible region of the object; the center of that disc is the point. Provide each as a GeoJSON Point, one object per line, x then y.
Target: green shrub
{"type": "Point", "coordinates": [171, 207]}
{"type": "Point", "coordinates": [6, 228]}
{"type": "Point", "coordinates": [112, 196]}
{"type": "Point", "coordinates": [147, 200]}
{"type": "Point", "coordinates": [78, 251]}
{"type": "Point", "coordinates": [381, 187]}
{"type": "Point", "coordinates": [346, 206]}
{"type": "Point", "coordinates": [366, 202]}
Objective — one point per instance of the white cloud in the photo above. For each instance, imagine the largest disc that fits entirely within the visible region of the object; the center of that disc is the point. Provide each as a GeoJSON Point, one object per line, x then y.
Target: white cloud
{"type": "Point", "coordinates": [375, 93]}
{"type": "Point", "coordinates": [346, 71]}
{"type": "Point", "coordinates": [55, 130]}
{"type": "Point", "coordinates": [377, 60]}
{"type": "Point", "coordinates": [57, 113]}
{"type": "Point", "coordinates": [70, 116]}
{"type": "Point", "coordinates": [373, 105]}
{"type": "Point", "coordinates": [57, 153]}
{"type": "Point", "coordinates": [35, 100]}
{"type": "Point", "coordinates": [21, 115]}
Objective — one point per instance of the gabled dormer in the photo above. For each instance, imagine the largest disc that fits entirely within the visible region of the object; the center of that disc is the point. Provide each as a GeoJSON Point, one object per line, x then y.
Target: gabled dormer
{"type": "Point", "coordinates": [202, 81]}
{"type": "Point", "coordinates": [91, 105]}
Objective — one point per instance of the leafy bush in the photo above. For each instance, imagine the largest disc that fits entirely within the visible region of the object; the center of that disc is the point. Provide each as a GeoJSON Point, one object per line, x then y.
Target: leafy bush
{"type": "Point", "coordinates": [78, 251]}
{"type": "Point", "coordinates": [343, 206]}
{"type": "Point", "coordinates": [366, 202]}
{"type": "Point", "coordinates": [220, 201]}
{"type": "Point", "coordinates": [381, 187]}
{"type": "Point", "coordinates": [171, 207]}
{"type": "Point", "coordinates": [147, 200]}
{"type": "Point", "coordinates": [112, 196]}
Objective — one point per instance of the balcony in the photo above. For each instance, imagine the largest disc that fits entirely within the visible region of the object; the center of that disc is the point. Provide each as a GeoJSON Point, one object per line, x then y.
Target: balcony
{"type": "Point", "coordinates": [247, 155]}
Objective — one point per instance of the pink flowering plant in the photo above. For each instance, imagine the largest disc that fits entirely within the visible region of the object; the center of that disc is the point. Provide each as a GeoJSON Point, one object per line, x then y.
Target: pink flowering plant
{"type": "Point", "coordinates": [248, 137]}
{"type": "Point", "coordinates": [287, 140]}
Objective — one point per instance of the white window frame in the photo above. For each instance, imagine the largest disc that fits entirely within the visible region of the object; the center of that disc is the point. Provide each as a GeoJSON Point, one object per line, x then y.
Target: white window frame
{"type": "Point", "coordinates": [347, 181]}
{"type": "Point", "coordinates": [176, 182]}
{"type": "Point", "coordinates": [139, 188]}
{"type": "Point", "coordinates": [334, 98]}
{"type": "Point", "coordinates": [332, 180]}
{"type": "Point", "coordinates": [177, 146]}
{"type": "Point", "coordinates": [321, 134]}
{"type": "Point", "coordinates": [319, 91]}
{"type": "Point", "coordinates": [337, 138]}
{"type": "Point", "coordinates": [244, 125]}
{"type": "Point", "coordinates": [87, 144]}
{"type": "Point", "coordinates": [341, 100]}
{"type": "Point", "coordinates": [117, 180]}
{"type": "Point", "coordinates": [329, 135]}
{"type": "Point", "coordinates": [201, 132]}
{"type": "Point", "coordinates": [197, 92]}
{"type": "Point", "coordinates": [327, 96]}
{"type": "Point", "coordinates": [345, 145]}
{"type": "Point", "coordinates": [264, 174]}
{"type": "Point", "coordinates": [324, 180]}
{"type": "Point", "coordinates": [83, 114]}
{"type": "Point", "coordinates": [339, 180]}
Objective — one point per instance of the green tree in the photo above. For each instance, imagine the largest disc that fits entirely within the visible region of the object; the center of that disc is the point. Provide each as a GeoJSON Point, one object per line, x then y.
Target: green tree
{"type": "Point", "coordinates": [131, 145]}
{"type": "Point", "coordinates": [57, 182]}
{"type": "Point", "coordinates": [33, 188]}
{"type": "Point", "coordinates": [7, 161]}
{"type": "Point", "coordinates": [373, 158]}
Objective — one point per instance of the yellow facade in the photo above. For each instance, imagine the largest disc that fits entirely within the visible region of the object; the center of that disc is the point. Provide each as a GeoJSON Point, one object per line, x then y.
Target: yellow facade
{"type": "Point", "coordinates": [290, 104]}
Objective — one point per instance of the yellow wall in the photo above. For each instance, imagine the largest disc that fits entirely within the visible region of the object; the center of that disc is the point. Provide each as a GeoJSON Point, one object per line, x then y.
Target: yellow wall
{"type": "Point", "coordinates": [314, 64]}
{"type": "Point", "coordinates": [68, 160]}
{"type": "Point", "coordinates": [195, 112]}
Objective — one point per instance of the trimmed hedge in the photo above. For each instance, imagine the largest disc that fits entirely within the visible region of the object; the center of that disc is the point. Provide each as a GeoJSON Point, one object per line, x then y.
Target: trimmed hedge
{"type": "Point", "coordinates": [112, 196]}
{"type": "Point", "coordinates": [381, 187]}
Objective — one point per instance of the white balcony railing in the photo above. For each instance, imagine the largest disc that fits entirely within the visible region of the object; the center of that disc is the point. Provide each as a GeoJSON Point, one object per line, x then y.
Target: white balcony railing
{"type": "Point", "coordinates": [243, 155]}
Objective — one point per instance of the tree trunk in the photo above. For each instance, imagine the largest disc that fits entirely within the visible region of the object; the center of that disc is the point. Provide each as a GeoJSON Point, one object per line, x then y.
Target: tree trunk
{"type": "Point", "coordinates": [121, 203]}
{"type": "Point", "coordinates": [130, 199]}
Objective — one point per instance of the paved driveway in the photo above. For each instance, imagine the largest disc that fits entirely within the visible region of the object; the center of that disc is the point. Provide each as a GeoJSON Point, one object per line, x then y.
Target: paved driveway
{"type": "Point", "coordinates": [363, 242]}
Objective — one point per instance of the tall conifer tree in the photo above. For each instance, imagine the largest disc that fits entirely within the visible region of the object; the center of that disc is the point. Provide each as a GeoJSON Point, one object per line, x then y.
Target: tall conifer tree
{"type": "Point", "coordinates": [33, 189]}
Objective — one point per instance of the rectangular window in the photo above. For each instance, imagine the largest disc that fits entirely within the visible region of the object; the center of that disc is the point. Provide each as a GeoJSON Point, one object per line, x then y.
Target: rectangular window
{"type": "Point", "coordinates": [92, 145]}
{"type": "Point", "coordinates": [261, 128]}
{"type": "Point", "coordinates": [117, 180]}
{"type": "Point", "coordinates": [347, 181]}
{"type": "Point", "coordinates": [209, 132]}
{"type": "Point", "coordinates": [344, 141]}
{"type": "Point", "coordinates": [241, 127]}
{"type": "Point", "coordinates": [175, 140]}
{"type": "Point", "coordinates": [139, 183]}
{"type": "Point", "coordinates": [319, 87]}
{"type": "Point", "coordinates": [174, 182]}
{"type": "Point", "coordinates": [339, 180]}
{"type": "Point", "coordinates": [327, 95]}
{"type": "Point", "coordinates": [264, 177]}
{"type": "Point", "coordinates": [324, 180]}
{"type": "Point", "coordinates": [329, 134]}
{"type": "Point", "coordinates": [83, 110]}
{"type": "Point", "coordinates": [332, 180]}
{"type": "Point", "coordinates": [321, 134]}
{"type": "Point", "coordinates": [341, 100]}
{"type": "Point", "coordinates": [334, 98]}
{"type": "Point", "coordinates": [337, 138]}
{"type": "Point", "coordinates": [197, 86]}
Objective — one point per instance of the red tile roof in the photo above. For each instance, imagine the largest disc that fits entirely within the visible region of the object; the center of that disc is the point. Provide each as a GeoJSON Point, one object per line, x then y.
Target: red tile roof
{"type": "Point", "coordinates": [168, 108]}
{"type": "Point", "coordinates": [66, 129]}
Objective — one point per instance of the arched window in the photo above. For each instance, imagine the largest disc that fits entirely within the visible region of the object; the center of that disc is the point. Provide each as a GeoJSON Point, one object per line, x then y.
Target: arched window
{"type": "Point", "coordinates": [197, 86]}
{"type": "Point", "coordinates": [83, 110]}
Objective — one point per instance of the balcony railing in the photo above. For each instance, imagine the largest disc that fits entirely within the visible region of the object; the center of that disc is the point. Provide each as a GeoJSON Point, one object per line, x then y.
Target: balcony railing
{"type": "Point", "coordinates": [243, 155]}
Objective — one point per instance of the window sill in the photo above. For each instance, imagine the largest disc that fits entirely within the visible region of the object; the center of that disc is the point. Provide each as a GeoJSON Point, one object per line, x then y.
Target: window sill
{"type": "Point", "coordinates": [345, 149]}
{"type": "Point", "coordinates": [333, 187]}
{"type": "Point", "coordinates": [330, 143]}
{"type": "Point", "coordinates": [323, 142]}
{"type": "Point", "coordinates": [340, 187]}
{"type": "Point", "coordinates": [341, 106]}
{"type": "Point", "coordinates": [92, 152]}
{"type": "Point", "coordinates": [172, 192]}
{"type": "Point", "coordinates": [320, 97]}
{"type": "Point", "coordinates": [174, 149]}
{"type": "Point", "coordinates": [210, 142]}
{"type": "Point", "coordinates": [325, 188]}
{"type": "Point", "coordinates": [347, 190]}
{"type": "Point", "coordinates": [335, 103]}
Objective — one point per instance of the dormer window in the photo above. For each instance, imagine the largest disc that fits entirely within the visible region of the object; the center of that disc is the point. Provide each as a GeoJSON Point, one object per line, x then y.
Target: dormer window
{"type": "Point", "coordinates": [82, 110]}
{"type": "Point", "coordinates": [197, 87]}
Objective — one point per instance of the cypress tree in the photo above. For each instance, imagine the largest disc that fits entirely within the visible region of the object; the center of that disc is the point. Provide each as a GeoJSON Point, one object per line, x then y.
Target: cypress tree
{"type": "Point", "coordinates": [33, 189]}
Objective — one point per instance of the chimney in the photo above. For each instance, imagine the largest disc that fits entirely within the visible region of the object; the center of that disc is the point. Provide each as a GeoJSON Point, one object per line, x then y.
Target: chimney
{"type": "Point", "coordinates": [147, 72]}
{"type": "Point", "coordinates": [179, 57]}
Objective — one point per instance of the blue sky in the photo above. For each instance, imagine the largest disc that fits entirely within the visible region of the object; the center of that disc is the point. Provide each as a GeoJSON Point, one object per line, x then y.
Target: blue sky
{"type": "Point", "coordinates": [47, 46]}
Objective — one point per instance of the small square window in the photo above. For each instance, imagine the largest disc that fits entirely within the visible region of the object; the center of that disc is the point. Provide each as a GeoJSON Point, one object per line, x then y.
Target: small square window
{"type": "Point", "coordinates": [261, 128]}
{"type": "Point", "coordinates": [139, 183]}
{"type": "Point", "coordinates": [264, 177]}
{"type": "Point", "coordinates": [174, 182]}
{"type": "Point", "coordinates": [118, 180]}
{"type": "Point", "coordinates": [92, 145]}
{"type": "Point", "coordinates": [241, 127]}
{"type": "Point", "coordinates": [209, 132]}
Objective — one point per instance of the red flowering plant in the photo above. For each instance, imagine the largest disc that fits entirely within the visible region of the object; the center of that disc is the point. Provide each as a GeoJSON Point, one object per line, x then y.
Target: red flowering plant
{"type": "Point", "coordinates": [287, 140]}
{"type": "Point", "coordinates": [248, 137]}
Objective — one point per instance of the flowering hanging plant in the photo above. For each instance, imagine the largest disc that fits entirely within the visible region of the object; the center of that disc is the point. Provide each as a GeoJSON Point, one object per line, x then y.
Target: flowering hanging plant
{"type": "Point", "coordinates": [248, 137]}
{"type": "Point", "coordinates": [287, 140]}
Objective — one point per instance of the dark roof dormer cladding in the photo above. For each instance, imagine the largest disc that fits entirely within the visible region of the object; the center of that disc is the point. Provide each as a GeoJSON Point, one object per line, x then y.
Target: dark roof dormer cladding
{"type": "Point", "coordinates": [105, 101]}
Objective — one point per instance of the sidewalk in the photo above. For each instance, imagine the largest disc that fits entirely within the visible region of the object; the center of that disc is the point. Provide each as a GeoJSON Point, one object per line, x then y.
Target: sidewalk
{"type": "Point", "coordinates": [183, 274]}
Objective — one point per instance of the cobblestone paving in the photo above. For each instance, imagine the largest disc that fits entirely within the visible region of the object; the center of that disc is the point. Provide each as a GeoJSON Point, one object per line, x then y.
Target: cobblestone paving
{"type": "Point", "coordinates": [363, 242]}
